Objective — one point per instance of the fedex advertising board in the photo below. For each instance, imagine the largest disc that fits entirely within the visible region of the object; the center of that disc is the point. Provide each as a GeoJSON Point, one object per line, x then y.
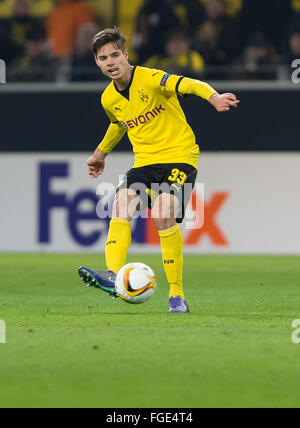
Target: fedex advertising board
{"type": "Point", "coordinates": [243, 203]}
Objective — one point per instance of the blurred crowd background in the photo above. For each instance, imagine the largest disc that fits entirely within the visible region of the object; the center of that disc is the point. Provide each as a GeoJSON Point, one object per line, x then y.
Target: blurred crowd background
{"type": "Point", "coordinates": [50, 40]}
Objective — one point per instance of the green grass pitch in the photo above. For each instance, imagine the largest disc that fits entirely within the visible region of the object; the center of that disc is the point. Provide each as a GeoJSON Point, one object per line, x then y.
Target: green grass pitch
{"type": "Point", "coordinates": [70, 346]}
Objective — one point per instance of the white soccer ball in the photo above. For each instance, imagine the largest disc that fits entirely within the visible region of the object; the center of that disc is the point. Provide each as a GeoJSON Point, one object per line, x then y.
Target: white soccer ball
{"type": "Point", "coordinates": [135, 283]}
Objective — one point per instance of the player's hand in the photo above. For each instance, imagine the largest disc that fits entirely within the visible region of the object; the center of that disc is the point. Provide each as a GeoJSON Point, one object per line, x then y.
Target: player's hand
{"type": "Point", "coordinates": [96, 164]}
{"type": "Point", "coordinates": [224, 102]}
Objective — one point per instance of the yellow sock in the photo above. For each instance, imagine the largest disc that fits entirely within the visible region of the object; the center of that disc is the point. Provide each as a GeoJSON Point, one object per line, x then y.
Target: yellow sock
{"type": "Point", "coordinates": [172, 246]}
{"type": "Point", "coordinates": [117, 244]}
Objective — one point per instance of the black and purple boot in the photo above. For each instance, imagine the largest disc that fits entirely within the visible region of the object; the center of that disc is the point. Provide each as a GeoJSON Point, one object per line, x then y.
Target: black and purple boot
{"type": "Point", "coordinates": [103, 279]}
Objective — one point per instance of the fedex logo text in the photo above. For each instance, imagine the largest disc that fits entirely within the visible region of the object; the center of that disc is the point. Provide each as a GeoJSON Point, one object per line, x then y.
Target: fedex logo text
{"type": "Point", "coordinates": [210, 227]}
{"type": "Point", "coordinates": [141, 120]}
{"type": "Point", "coordinates": [50, 201]}
{"type": "Point", "coordinates": [85, 206]}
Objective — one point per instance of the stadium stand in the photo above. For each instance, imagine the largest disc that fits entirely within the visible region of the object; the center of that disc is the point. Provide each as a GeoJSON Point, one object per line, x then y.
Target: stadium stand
{"type": "Point", "coordinates": [42, 8]}
{"type": "Point", "coordinates": [225, 39]}
{"type": "Point", "coordinates": [179, 57]}
{"type": "Point", "coordinates": [63, 23]}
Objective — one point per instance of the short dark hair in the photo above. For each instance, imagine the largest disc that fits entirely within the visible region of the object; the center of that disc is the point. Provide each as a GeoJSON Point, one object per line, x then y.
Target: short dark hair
{"type": "Point", "coordinates": [110, 35]}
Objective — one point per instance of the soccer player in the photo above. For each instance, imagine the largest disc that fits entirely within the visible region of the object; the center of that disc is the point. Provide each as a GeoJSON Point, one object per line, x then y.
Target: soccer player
{"type": "Point", "coordinates": [144, 103]}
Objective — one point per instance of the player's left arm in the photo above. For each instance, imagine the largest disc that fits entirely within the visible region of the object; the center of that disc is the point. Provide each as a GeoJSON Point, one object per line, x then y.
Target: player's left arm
{"type": "Point", "coordinates": [221, 102]}
{"type": "Point", "coordinates": [171, 84]}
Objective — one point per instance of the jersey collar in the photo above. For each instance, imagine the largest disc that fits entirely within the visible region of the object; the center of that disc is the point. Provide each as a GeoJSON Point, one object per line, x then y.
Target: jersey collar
{"type": "Point", "coordinates": [125, 92]}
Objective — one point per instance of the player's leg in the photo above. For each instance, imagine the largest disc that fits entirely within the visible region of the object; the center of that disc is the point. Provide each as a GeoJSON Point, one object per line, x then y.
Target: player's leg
{"type": "Point", "coordinates": [118, 242]}
{"type": "Point", "coordinates": [119, 234]}
{"type": "Point", "coordinates": [131, 197]}
{"type": "Point", "coordinates": [169, 209]}
{"type": "Point", "coordinates": [164, 213]}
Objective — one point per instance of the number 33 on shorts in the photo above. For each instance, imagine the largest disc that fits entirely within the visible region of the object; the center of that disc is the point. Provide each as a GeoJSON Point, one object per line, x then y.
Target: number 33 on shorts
{"type": "Point", "coordinates": [177, 176]}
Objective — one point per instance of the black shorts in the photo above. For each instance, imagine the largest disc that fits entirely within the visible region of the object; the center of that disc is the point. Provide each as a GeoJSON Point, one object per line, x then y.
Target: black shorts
{"type": "Point", "coordinates": [152, 180]}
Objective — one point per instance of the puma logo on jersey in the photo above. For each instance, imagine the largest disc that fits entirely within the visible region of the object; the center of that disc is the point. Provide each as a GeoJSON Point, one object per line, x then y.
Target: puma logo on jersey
{"type": "Point", "coordinates": [111, 242]}
{"type": "Point", "coordinates": [144, 118]}
{"type": "Point", "coordinates": [169, 262]}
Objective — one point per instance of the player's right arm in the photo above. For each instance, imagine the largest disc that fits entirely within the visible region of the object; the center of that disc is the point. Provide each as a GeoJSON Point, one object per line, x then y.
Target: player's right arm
{"type": "Point", "coordinates": [96, 162]}
{"type": "Point", "coordinates": [115, 132]}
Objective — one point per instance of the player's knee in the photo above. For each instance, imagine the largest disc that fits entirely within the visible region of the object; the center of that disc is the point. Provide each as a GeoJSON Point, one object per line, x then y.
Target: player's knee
{"type": "Point", "coordinates": [126, 204]}
{"type": "Point", "coordinates": [164, 212]}
{"type": "Point", "coordinates": [164, 223]}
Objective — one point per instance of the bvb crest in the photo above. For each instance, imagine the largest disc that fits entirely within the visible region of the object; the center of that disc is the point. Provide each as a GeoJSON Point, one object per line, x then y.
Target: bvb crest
{"type": "Point", "coordinates": [143, 97]}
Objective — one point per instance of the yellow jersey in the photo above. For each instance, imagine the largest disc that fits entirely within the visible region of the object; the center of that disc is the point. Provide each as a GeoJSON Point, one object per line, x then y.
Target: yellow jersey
{"type": "Point", "coordinates": [149, 111]}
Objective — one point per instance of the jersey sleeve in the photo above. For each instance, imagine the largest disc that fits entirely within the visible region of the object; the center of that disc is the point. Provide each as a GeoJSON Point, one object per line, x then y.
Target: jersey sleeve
{"type": "Point", "coordinates": [114, 133]}
{"type": "Point", "coordinates": [107, 106]}
{"type": "Point", "coordinates": [161, 81]}
{"type": "Point", "coordinates": [188, 86]}
{"type": "Point", "coordinates": [110, 116]}
{"type": "Point", "coordinates": [112, 137]}
{"type": "Point", "coordinates": [179, 85]}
